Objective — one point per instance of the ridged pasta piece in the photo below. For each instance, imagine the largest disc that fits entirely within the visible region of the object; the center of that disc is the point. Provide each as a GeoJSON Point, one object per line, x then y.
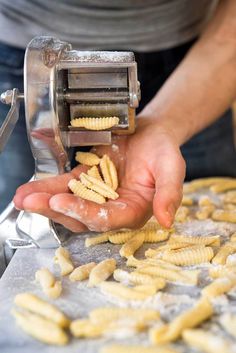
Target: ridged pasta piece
{"type": "Point", "coordinates": [50, 286]}
{"type": "Point", "coordinates": [109, 172]}
{"type": "Point", "coordinates": [38, 306]}
{"type": "Point", "coordinates": [101, 272]}
{"type": "Point", "coordinates": [98, 186]}
{"type": "Point", "coordinates": [101, 123]}
{"type": "Point", "coordinates": [219, 286]}
{"type": "Point", "coordinates": [117, 348]}
{"type": "Point", "coordinates": [213, 240]}
{"type": "Point", "coordinates": [155, 236]}
{"type": "Point", "coordinates": [87, 158]}
{"type": "Point", "coordinates": [157, 253]}
{"type": "Point", "coordinates": [106, 314]}
{"type": "Point", "coordinates": [133, 262]}
{"type": "Point", "coordinates": [189, 256]}
{"type": "Point", "coordinates": [94, 172]}
{"type": "Point", "coordinates": [82, 272]}
{"type": "Point", "coordinates": [98, 239]}
{"type": "Point", "coordinates": [229, 207]}
{"type": "Point", "coordinates": [224, 216]}
{"type": "Point", "coordinates": [223, 186]}
{"type": "Point", "coordinates": [86, 328]}
{"type": "Point", "coordinates": [204, 212]}
{"type": "Point", "coordinates": [119, 290]}
{"type": "Point", "coordinates": [40, 328]}
{"type": "Point", "coordinates": [121, 237]}
{"type": "Point", "coordinates": [138, 278]}
{"type": "Point", "coordinates": [132, 244]}
{"type": "Point", "coordinates": [228, 321]}
{"type": "Point", "coordinates": [226, 250]}
{"type": "Point", "coordinates": [184, 277]}
{"type": "Point", "coordinates": [201, 183]}
{"type": "Point", "coordinates": [62, 257]}
{"type": "Point", "coordinates": [193, 317]}
{"type": "Point", "coordinates": [186, 201]}
{"type": "Point", "coordinates": [221, 271]}
{"type": "Point", "coordinates": [206, 341]}
{"type": "Point", "coordinates": [230, 197]}
{"type": "Point", "coordinates": [182, 214]}
{"type": "Point", "coordinates": [205, 200]}
{"type": "Point", "coordinates": [80, 190]}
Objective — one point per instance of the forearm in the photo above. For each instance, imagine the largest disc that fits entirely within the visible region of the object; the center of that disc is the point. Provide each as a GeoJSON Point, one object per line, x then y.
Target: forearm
{"type": "Point", "coordinates": [204, 84]}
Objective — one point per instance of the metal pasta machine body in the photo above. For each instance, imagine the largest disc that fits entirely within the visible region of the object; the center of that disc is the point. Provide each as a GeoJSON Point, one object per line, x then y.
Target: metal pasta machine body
{"type": "Point", "coordinates": [61, 84]}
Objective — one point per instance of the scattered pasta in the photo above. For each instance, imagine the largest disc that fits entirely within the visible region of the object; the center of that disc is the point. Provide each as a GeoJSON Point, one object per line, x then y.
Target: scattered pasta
{"type": "Point", "coordinates": [50, 286]}
{"type": "Point", "coordinates": [226, 250]}
{"type": "Point", "coordinates": [219, 286]}
{"type": "Point", "coordinates": [189, 256]}
{"type": "Point", "coordinates": [187, 201]}
{"type": "Point", "coordinates": [138, 278]}
{"type": "Point", "coordinates": [223, 186]}
{"type": "Point", "coordinates": [132, 245]}
{"type": "Point", "coordinates": [213, 240]}
{"type": "Point", "coordinates": [116, 348]}
{"type": "Point", "coordinates": [82, 272]}
{"type": "Point", "coordinates": [98, 239]}
{"type": "Point", "coordinates": [224, 216]}
{"type": "Point", "coordinates": [101, 272]}
{"type": "Point", "coordinates": [62, 257]}
{"type": "Point", "coordinates": [182, 214]}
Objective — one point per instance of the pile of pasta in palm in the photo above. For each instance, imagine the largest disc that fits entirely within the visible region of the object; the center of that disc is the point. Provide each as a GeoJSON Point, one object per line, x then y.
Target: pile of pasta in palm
{"type": "Point", "coordinates": [99, 183]}
{"type": "Point", "coordinates": [153, 259]}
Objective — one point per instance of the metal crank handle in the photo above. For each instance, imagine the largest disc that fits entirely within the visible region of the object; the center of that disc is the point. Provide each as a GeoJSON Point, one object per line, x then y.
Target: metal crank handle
{"type": "Point", "coordinates": [9, 97]}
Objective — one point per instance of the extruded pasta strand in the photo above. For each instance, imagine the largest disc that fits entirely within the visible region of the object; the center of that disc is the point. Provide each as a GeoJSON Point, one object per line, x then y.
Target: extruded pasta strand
{"type": "Point", "coordinates": [138, 278]}
{"type": "Point", "coordinates": [94, 172]}
{"type": "Point", "coordinates": [189, 256]}
{"type": "Point", "coordinates": [98, 186]}
{"type": "Point", "coordinates": [121, 237]}
{"type": "Point", "coordinates": [132, 244]}
{"type": "Point", "coordinates": [98, 239]}
{"type": "Point", "coordinates": [213, 240]}
{"type": "Point", "coordinates": [109, 172]}
{"type": "Point", "coordinates": [50, 286]}
{"type": "Point", "coordinates": [101, 123]}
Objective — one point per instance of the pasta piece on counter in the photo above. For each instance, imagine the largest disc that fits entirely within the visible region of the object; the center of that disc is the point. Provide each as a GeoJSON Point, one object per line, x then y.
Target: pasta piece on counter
{"type": "Point", "coordinates": [224, 216]}
{"type": "Point", "coordinates": [205, 200]}
{"type": "Point", "coordinates": [219, 286]}
{"type": "Point", "coordinates": [204, 212]}
{"type": "Point", "coordinates": [223, 186]}
{"type": "Point", "coordinates": [101, 272]}
{"type": "Point", "coordinates": [62, 257]}
{"type": "Point", "coordinates": [189, 256]}
{"type": "Point", "coordinates": [230, 197]}
{"type": "Point", "coordinates": [228, 321]}
{"type": "Point", "coordinates": [155, 236]}
{"type": "Point", "coordinates": [186, 201]}
{"type": "Point", "coordinates": [226, 250]}
{"type": "Point", "coordinates": [182, 214]}
{"type": "Point", "coordinates": [213, 240]}
{"type": "Point", "coordinates": [233, 237]}
{"type": "Point", "coordinates": [121, 237]}
{"type": "Point", "coordinates": [38, 306]}
{"type": "Point", "coordinates": [90, 123]}
{"type": "Point", "coordinates": [87, 329]}
{"type": "Point", "coordinates": [98, 239]}
{"type": "Point", "coordinates": [87, 158]}
{"type": "Point", "coordinates": [104, 314]}
{"type": "Point", "coordinates": [109, 172]}
{"type": "Point", "coordinates": [40, 328]}
{"type": "Point", "coordinates": [137, 278]}
{"type": "Point", "coordinates": [132, 244]}
{"type": "Point", "coordinates": [119, 290]}
{"type": "Point", "coordinates": [193, 317]}
{"type": "Point", "coordinates": [206, 341]}
{"type": "Point", "coordinates": [50, 286]}
{"type": "Point", "coordinates": [80, 190]}
{"type": "Point", "coordinates": [116, 348]}
{"type": "Point", "coordinates": [82, 272]}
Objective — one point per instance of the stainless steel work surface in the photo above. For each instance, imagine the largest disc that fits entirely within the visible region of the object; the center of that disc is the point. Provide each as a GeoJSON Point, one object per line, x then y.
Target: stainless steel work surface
{"type": "Point", "coordinates": [77, 299]}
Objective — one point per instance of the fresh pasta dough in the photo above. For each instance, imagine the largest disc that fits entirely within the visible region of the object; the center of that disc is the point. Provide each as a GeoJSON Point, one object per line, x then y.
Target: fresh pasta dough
{"type": "Point", "coordinates": [132, 244]}
{"type": "Point", "coordinates": [82, 272]}
{"type": "Point", "coordinates": [62, 257]}
{"type": "Point", "coordinates": [50, 286]}
{"type": "Point", "coordinates": [101, 272]}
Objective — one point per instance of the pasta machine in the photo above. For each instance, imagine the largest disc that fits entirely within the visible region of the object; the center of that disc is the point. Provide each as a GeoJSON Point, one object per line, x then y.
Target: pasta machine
{"type": "Point", "coordinates": [61, 84]}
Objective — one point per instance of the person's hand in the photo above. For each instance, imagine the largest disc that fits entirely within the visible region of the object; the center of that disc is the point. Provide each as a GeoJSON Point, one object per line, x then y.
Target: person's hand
{"type": "Point", "coordinates": [151, 173]}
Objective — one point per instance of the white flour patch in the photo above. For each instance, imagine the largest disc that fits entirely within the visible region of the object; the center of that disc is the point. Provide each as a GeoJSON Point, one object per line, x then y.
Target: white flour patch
{"type": "Point", "coordinates": [103, 213]}
{"type": "Point", "coordinates": [114, 147]}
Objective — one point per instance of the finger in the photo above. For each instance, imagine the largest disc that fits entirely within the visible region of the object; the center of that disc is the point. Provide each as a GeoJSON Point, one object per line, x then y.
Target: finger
{"type": "Point", "coordinates": [52, 185]}
{"type": "Point", "coordinates": [169, 185]}
{"type": "Point", "coordinates": [121, 213]}
{"type": "Point", "coordinates": [39, 203]}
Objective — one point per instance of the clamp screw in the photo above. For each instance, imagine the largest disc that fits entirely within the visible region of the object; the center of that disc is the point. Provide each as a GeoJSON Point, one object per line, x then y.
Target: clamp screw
{"type": "Point", "coordinates": [6, 97]}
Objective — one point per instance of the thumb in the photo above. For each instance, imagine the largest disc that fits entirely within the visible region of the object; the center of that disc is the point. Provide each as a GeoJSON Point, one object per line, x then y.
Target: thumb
{"type": "Point", "coordinates": [169, 178]}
